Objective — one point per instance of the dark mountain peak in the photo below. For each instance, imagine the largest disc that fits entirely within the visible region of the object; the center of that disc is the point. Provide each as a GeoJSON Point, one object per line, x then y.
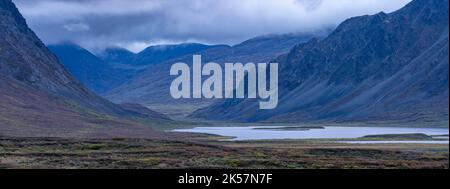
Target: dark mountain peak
{"type": "Point", "coordinates": [116, 52]}
{"type": "Point", "coordinates": [160, 53]}
{"type": "Point", "coordinates": [69, 46]}
{"type": "Point", "coordinates": [117, 55]}
{"type": "Point", "coordinates": [419, 13]}
{"type": "Point", "coordinates": [417, 6]}
{"type": "Point", "coordinates": [182, 46]}
{"type": "Point", "coordinates": [388, 66]}
{"type": "Point", "coordinates": [383, 41]}
{"type": "Point", "coordinates": [25, 57]}
{"type": "Point", "coordinates": [425, 12]}
{"type": "Point", "coordinates": [281, 38]}
{"type": "Point", "coordinates": [74, 52]}
{"type": "Point", "coordinates": [9, 8]}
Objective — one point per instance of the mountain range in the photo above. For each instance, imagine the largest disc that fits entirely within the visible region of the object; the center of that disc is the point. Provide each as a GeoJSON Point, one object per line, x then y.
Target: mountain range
{"type": "Point", "coordinates": [151, 87]}
{"type": "Point", "coordinates": [39, 97]}
{"type": "Point", "coordinates": [380, 67]}
{"type": "Point", "coordinates": [142, 78]}
{"type": "Point", "coordinates": [114, 66]}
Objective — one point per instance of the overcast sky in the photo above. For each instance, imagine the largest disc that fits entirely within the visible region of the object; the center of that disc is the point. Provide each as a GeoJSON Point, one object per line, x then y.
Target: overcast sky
{"type": "Point", "coordinates": [136, 24]}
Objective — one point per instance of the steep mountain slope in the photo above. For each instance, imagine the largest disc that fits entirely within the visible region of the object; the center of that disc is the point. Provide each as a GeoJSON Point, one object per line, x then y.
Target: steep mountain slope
{"type": "Point", "coordinates": [38, 97]}
{"type": "Point", "coordinates": [151, 88]}
{"type": "Point", "coordinates": [91, 71]}
{"type": "Point", "coordinates": [381, 67]}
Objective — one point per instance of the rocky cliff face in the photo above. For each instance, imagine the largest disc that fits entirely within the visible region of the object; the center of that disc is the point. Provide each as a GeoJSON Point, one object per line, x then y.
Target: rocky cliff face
{"type": "Point", "coordinates": [24, 57]}
{"type": "Point", "coordinates": [381, 67]}
{"type": "Point", "coordinates": [38, 97]}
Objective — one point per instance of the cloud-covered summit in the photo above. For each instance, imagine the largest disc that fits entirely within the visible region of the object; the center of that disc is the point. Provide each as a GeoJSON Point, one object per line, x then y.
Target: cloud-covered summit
{"type": "Point", "coordinates": [135, 24]}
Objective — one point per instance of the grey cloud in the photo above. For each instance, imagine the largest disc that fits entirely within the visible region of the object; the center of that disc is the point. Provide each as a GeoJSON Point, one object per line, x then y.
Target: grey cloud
{"type": "Point", "coordinates": [134, 24]}
{"type": "Point", "coordinates": [76, 27]}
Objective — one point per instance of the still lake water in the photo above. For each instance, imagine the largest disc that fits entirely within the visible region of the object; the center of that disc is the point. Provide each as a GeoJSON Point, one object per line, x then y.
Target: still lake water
{"type": "Point", "coordinates": [398, 142]}
{"type": "Point", "coordinates": [274, 132]}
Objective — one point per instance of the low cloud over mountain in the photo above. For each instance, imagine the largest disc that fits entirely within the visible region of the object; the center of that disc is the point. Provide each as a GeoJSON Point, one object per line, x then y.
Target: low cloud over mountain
{"type": "Point", "coordinates": [101, 23]}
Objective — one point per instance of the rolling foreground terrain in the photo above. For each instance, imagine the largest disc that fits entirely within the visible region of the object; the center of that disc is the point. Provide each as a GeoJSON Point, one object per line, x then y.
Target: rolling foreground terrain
{"type": "Point", "coordinates": [149, 154]}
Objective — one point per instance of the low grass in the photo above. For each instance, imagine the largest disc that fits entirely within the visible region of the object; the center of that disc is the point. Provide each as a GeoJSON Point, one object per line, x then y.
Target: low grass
{"type": "Point", "coordinates": [144, 154]}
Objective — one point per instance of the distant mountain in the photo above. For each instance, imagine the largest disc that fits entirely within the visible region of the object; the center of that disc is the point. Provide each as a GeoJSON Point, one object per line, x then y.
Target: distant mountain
{"type": "Point", "coordinates": [38, 97]}
{"type": "Point", "coordinates": [151, 55]}
{"type": "Point", "coordinates": [381, 67]}
{"type": "Point", "coordinates": [117, 55]}
{"type": "Point", "coordinates": [151, 87]}
{"type": "Point", "coordinates": [161, 53]}
{"type": "Point", "coordinates": [91, 71]}
{"type": "Point", "coordinates": [114, 66]}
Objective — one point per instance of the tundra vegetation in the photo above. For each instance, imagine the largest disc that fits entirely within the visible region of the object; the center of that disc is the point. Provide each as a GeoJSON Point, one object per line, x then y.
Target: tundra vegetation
{"type": "Point", "coordinates": [208, 152]}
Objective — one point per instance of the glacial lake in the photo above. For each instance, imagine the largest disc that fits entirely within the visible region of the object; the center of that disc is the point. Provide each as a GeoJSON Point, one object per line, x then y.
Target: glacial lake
{"type": "Point", "coordinates": [329, 132]}
{"type": "Point", "coordinates": [398, 142]}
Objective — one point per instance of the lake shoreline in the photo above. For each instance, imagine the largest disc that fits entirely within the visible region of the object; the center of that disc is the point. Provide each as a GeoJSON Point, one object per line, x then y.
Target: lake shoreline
{"type": "Point", "coordinates": [323, 133]}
